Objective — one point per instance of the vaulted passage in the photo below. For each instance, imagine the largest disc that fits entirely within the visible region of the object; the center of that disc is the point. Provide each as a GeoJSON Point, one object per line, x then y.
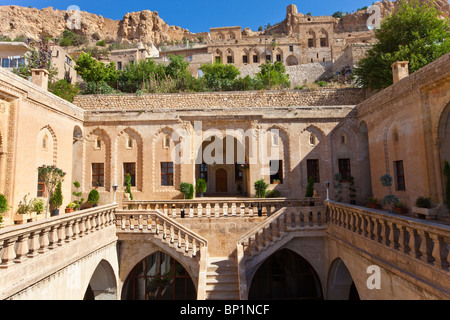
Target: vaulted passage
{"type": "Point", "coordinates": [285, 276]}
{"type": "Point", "coordinates": [159, 277]}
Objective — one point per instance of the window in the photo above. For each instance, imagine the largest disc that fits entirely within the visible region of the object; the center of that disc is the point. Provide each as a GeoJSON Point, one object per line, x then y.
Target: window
{"type": "Point", "coordinates": [238, 174]}
{"type": "Point", "coordinates": [12, 62]}
{"type": "Point", "coordinates": [166, 142]}
{"type": "Point", "coordinates": [40, 188]}
{"type": "Point", "coordinates": [204, 171]}
{"type": "Point", "coordinates": [119, 65]}
{"type": "Point", "coordinates": [278, 57]}
{"type": "Point", "coordinates": [276, 171]}
{"type": "Point", "coordinates": [291, 48]}
{"type": "Point", "coordinates": [244, 59]}
{"type": "Point", "coordinates": [98, 143]}
{"type": "Point", "coordinates": [323, 42]}
{"type": "Point", "coordinates": [312, 139]}
{"type": "Point", "coordinates": [275, 138]}
{"type": "Point", "coordinates": [98, 174]}
{"type": "Point", "coordinates": [45, 142]}
{"type": "Point", "coordinates": [399, 176]}
{"type": "Point", "coordinates": [167, 173]}
{"type": "Point", "coordinates": [255, 58]}
{"type": "Point", "coordinates": [313, 169]}
{"type": "Point", "coordinates": [218, 60]}
{"type": "Point", "coordinates": [129, 143]}
{"type": "Point", "coordinates": [68, 61]}
{"type": "Point", "coordinates": [229, 59]}
{"type": "Point", "coordinates": [129, 168]}
{"type": "Point", "coordinates": [344, 169]}
{"type": "Point", "coordinates": [310, 43]}
{"type": "Point", "coordinates": [268, 57]}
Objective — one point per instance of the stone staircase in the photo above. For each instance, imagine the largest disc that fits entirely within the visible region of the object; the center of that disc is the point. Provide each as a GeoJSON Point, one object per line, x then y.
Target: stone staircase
{"type": "Point", "coordinates": [222, 279]}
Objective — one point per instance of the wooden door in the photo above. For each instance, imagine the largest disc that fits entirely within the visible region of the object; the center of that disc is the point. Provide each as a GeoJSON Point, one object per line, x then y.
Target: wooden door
{"type": "Point", "coordinates": [221, 180]}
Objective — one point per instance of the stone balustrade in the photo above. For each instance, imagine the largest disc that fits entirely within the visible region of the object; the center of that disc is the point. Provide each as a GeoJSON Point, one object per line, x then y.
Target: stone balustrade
{"type": "Point", "coordinates": [217, 207]}
{"type": "Point", "coordinates": [425, 242]}
{"type": "Point", "coordinates": [162, 226]}
{"type": "Point", "coordinates": [22, 242]}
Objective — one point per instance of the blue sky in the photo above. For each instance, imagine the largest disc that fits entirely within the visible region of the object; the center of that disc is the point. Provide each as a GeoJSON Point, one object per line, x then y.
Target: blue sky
{"type": "Point", "coordinates": [200, 15]}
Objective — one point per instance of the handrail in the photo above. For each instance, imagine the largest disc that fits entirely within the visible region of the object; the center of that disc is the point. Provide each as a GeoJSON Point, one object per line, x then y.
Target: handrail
{"type": "Point", "coordinates": [20, 242]}
{"type": "Point", "coordinates": [156, 222]}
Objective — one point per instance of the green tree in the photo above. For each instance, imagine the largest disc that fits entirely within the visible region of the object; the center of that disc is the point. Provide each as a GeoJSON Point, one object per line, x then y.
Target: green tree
{"type": "Point", "coordinates": [128, 185]}
{"type": "Point", "coordinates": [260, 188]}
{"type": "Point", "coordinates": [64, 89]}
{"type": "Point", "coordinates": [273, 75]}
{"type": "Point", "coordinates": [219, 76]}
{"type": "Point", "coordinates": [92, 70]}
{"type": "Point", "coordinates": [413, 33]}
{"type": "Point", "coordinates": [135, 76]}
{"type": "Point", "coordinates": [310, 188]}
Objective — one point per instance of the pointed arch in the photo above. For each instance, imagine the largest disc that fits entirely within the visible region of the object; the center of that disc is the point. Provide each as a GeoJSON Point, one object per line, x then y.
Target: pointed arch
{"type": "Point", "coordinates": [105, 138]}
{"type": "Point", "coordinates": [55, 142]}
{"type": "Point", "coordinates": [139, 144]}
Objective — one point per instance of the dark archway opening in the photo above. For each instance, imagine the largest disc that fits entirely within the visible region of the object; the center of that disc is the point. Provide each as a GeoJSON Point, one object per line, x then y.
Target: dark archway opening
{"type": "Point", "coordinates": [159, 277]}
{"type": "Point", "coordinates": [285, 276]}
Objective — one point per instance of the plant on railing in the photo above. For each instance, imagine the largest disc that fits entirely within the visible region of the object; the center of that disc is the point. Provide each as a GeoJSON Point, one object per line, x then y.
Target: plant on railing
{"type": "Point", "coordinates": [201, 187]}
{"type": "Point", "coordinates": [338, 186]}
{"type": "Point", "coordinates": [422, 202]}
{"type": "Point", "coordinates": [93, 197]}
{"type": "Point", "coordinates": [310, 188]}
{"type": "Point", "coordinates": [37, 206]}
{"type": "Point", "coordinates": [447, 188]}
{"type": "Point", "coordinates": [3, 206]}
{"type": "Point", "coordinates": [187, 189]}
{"type": "Point", "coordinates": [260, 188]}
{"type": "Point", "coordinates": [56, 200]}
{"type": "Point", "coordinates": [273, 194]}
{"type": "Point", "coordinates": [128, 185]}
{"type": "Point", "coordinates": [389, 200]}
{"type": "Point", "coordinates": [25, 206]}
{"type": "Point", "coordinates": [77, 194]}
{"type": "Point", "coordinates": [50, 176]}
{"type": "Point", "coordinates": [352, 190]}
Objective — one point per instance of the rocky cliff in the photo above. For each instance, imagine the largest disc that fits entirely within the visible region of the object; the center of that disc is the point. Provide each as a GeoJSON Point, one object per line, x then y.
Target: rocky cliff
{"type": "Point", "coordinates": [145, 26]}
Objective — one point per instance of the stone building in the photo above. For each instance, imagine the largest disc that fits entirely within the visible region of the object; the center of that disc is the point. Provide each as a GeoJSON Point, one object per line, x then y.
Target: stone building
{"type": "Point", "coordinates": [285, 137]}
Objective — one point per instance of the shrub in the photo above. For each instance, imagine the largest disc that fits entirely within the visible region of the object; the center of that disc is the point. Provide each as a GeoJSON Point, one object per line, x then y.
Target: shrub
{"type": "Point", "coordinates": [128, 185]}
{"type": "Point", "coordinates": [38, 206]}
{"type": "Point", "coordinates": [101, 43]}
{"type": "Point", "coordinates": [260, 188]}
{"type": "Point", "coordinates": [3, 204]}
{"type": "Point", "coordinates": [187, 189]}
{"type": "Point", "coordinates": [273, 194]}
{"type": "Point", "coordinates": [93, 197]}
{"type": "Point", "coordinates": [423, 202]}
{"type": "Point", "coordinates": [310, 188]}
{"type": "Point", "coordinates": [201, 186]}
{"type": "Point", "coordinates": [56, 199]}
{"type": "Point", "coordinates": [77, 194]}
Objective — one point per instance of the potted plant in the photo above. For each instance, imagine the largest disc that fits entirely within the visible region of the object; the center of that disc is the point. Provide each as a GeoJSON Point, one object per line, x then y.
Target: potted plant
{"type": "Point", "coordinates": [24, 211]}
{"type": "Point", "coordinates": [128, 187]}
{"type": "Point", "coordinates": [310, 188]}
{"type": "Point", "coordinates": [50, 176]}
{"type": "Point", "coordinates": [423, 208]}
{"type": "Point", "coordinates": [200, 187]}
{"type": "Point", "coordinates": [400, 208]}
{"type": "Point", "coordinates": [373, 203]}
{"type": "Point", "coordinates": [70, 207]}
{"type": "Point", "coordinates": [187, 189]}
{"type": "Point", "coordinates": [3, 206]}
{"type": "Point", "coordinates": [260, 189]}
{"type": "Point", "coordinates": [78, 202]}
{"type": "Point", "coordinates": [56, 200]}
{"type": "Point", "coordinates": [93, 197]}
{"type": "Point", "coordinates": [38, 207]}
{"type": "Point", "coordinates": [276, 181]}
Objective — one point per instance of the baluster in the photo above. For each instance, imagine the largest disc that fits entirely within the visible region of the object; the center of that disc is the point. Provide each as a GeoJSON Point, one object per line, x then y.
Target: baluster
{"type": "Point", "coordinates": [179, 239]}
{"type": "Point", "coordinates": [194, 247]}
{"type": "Point", "coordinates": [76, 229]}
{"type": "Point", "coordinates": [186, 242]}
{"type": "Point", "coordinates": [288, 214]}
{"type": "Point", "coordinates": [225, 209]}
{"type": "Point", "coordinates": [199, 210]}
{"type": "Point", "coordinates": [208, 210]}
{"type": "Point", "coordinates": [250, 210]}
{"type": "Point", "coordinates": [157, 229]}
{"type": "Point", "coordinates": [53, 237]}
{"type": "Point", "coordinates": [408, 246]}
{"type": "Point", "coordinates": [390, 234]}
{"type": "Point", "coordinates": [131, 222]}
{"type": "Point", "coordinates": [233, 209]}
{"type": "Point", "coordinates": [61, 234]}
{"type": "Point", "coordinates": [8, 252]}
{"type": "Point", "coordinates": [34, 244]}
{"type": "Point", "coordinates": [381, 230]}
{"type": "Point", "coordinates": [242, 209]}
{"type": "Point", "coordinates": [89, 225]}
{"type": "Point", "coordinates": [296, 213]}
{"type": "Point", "coordinates": [68, 232]}
{"type": "Point", "coordinates": [172, 234]}
{"type": "Point", "coordinates": [217, 210]}
{"type": "Point", "coordinates": [97, 222]}
{"type": "Point", "coordinates": [401, 239]}
{"type": "Point", "coordinates": [164, 230]}
{"type": "Point", "coordinates": [43, 240]}
{"type": "Point", "coordinates": [82, 227]}
{"type": "Point", "coordinates": [256, 241]}
{"type": "Point", "coordinates": [423, 246]}
{"type": "Point", "coordinates": [191, 212]}
{"type": "Point", "coordinates": [436, 253]}
{"type": "Point", "coordinates": [314, 218]}
{"type": "Point", "coordinates": [22, 248]}
{"type": "Point", "coordinates": [149, 222]}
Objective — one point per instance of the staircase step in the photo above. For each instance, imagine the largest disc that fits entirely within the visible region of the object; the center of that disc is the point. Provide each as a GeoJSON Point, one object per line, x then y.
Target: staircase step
{"type": "Point", "coordinates": [218, 295]}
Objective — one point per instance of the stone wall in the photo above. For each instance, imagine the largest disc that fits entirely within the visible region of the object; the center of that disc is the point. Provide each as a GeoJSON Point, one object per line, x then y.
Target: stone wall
{"type": "Point", "coordinates": [244, 99]}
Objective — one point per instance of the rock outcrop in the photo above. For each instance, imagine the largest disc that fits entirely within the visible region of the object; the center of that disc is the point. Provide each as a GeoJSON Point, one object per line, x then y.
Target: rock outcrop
{"type": "Point", "coordinates": [145, 26]}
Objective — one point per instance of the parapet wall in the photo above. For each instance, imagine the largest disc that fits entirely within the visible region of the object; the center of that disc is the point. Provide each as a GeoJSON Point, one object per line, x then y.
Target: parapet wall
{"type": "Point", "coordinates": [244, 99]}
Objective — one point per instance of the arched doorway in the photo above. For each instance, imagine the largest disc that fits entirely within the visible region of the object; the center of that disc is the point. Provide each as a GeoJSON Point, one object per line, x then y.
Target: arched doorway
{"type": "Point", "coordinates": [159, 277]}
{"type": "Point", "coordinates": [221, 181]}
{"type": "Point", "coordinates": [340, 283]}
{"type": "Point", "coordinates": [102, 285]}
{"type": "Point", "coordinates": [364, 161]}
{"type": "Point", "coordinates": [444, 149]}
{"type": "Point", "coordinates": [285, 275]}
